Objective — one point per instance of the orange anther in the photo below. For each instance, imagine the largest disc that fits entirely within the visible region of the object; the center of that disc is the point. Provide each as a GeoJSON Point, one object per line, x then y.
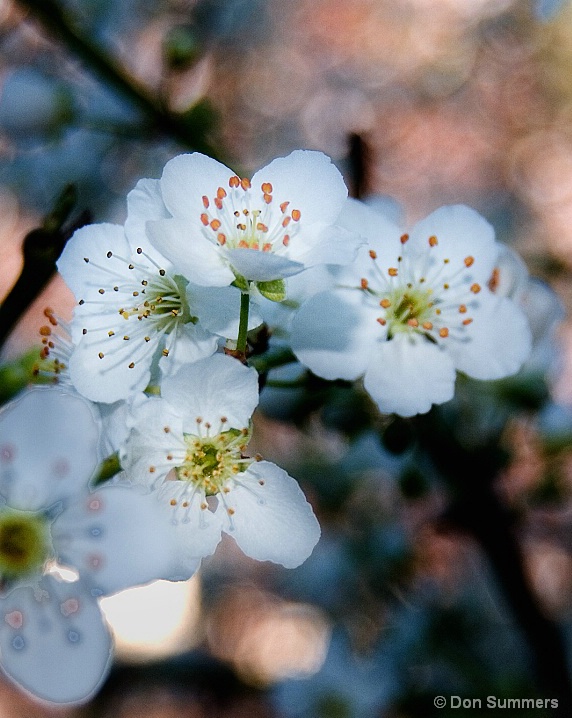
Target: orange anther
{"type": "Point", "coordinates": [372, 254]}
{"type": "Point", "coordinates": [475, 288]}
{"type": "Point", "coordinates": [243, 244]}
{"type": "Point", "coordinates": [286, 240]}
{"type": "Point", "coordinates": [221, 193]}
{"type": "Point", "coordinates": [427, 325]}
{"type": "Point", "coordinates": [266, 188]}
{"type": "Point", "coordinates": [385, 303]}
{"type": "Point", "coordinates": [404, 238]}
{"type": "Point", "coordinates": [432, 240]}
{"type": "Point", "coordinates": [296, 214]}
{"type": "Point", "coordinates": [45, 331]}
{"type": "Point", "coordinates": [286, 221]}
{"type": "Point", "coordinates": [204, 219]}
{"type": "Point", "coordinates": [241, 226]}
{"type": "Point", "coordinates": [284, 207]}
{"type": "Point", "coordinates": [173, 502]}
{"type": "Point", "coordinates": [382, 321]}
{"type": "Point", "coordinates": [215, 224]}
{"type": "Point", "coordinates": [234, 181]}
{"type": "Point", "coordinates": [218, 203]}
{"type": "Point", "coordinates": [469, 261]}
{"type": "Point", "coordinates": [392, 271]}
{"type": "Point", "coordinates": [245, 183]}
{"type": "Point", "coordinates": [221, 238]}
{"type": "Point", "coordinates": [267, 198]}
{"type": "Point", "coordinates": [364, 283]}
{"type": "Point", "coordinates": [443, 332]}
{"type": "Point", "coordinates": [205, 201]}
{"type": "Point", "coordinates": [261, 227]}
{"type": "Point", "coordinates": [462, 308]}
{"type": "Point", "coordinates": [494, 280]}
{"type": "Point", "coordinates": [467, 321]}
{"type": "Point", "coordinates": [413, 322]}
{"type": "Point", "coordinates": [266, 247]}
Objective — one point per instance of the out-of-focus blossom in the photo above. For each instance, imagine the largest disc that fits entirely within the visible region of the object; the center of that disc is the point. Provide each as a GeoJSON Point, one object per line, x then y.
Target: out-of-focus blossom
{"type": "Point", "coordinates": [539, 302]}
{"type": "Point", "coordinates": [62, 546]}
{"type": "Point", "coordinates": [415, 309]}
{"type": "Point", "coordinates": [196, 434]}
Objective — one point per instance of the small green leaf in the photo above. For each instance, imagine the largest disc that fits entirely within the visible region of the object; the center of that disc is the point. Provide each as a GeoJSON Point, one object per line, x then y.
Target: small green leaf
{"type": "Point", "coordinates": [274, 290]}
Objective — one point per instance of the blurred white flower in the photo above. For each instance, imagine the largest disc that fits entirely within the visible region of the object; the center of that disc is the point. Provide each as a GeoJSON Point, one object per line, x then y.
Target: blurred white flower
{"type": "Point", "coordinates": [414, 309]}
{"type": "Point", "coordinates": [62, 546]}
{"type": "Point", "coordinates": [196, 434]}
{"type": "Point", "coordinates": [538, 301]}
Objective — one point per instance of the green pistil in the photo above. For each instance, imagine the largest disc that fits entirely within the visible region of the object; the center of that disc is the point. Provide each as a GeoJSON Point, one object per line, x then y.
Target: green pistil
{"type": "Point", "coordinates": [212, 460]}
{"type": "Point", "coordinates": [408, 310]}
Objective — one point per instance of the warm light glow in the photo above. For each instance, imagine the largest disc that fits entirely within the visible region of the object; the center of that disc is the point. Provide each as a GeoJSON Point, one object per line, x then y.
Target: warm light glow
{"type": "Point", "coordinates": [154, 621]}
{"type": "Point", "coordinates": [268, 639]}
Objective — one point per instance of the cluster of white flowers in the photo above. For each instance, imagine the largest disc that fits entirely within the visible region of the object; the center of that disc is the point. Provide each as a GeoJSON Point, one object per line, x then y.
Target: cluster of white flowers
{"type": "Point", "coordinates": [156, 356]}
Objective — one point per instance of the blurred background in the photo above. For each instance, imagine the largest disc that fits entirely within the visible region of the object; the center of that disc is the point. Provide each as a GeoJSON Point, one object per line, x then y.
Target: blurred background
{"type": "Point", "coordinates": [426, 102]}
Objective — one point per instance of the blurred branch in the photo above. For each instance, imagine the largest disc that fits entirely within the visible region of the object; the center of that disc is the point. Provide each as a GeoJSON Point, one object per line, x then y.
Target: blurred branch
{"type": "Point", "coordinates": [477, 509]}
{"type": "Point", "coordinates": [182, 128]}
{"type": "Point", "coordinates": [41, 249]}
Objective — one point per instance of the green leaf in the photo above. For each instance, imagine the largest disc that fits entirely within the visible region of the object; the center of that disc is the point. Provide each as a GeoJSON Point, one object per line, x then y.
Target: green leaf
{"type": "Point", "coordinates": [274, 290]}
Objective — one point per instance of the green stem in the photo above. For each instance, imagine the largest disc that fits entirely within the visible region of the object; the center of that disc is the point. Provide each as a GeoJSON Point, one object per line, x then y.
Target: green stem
{"type": "Point", "coordinates": [243, 324]}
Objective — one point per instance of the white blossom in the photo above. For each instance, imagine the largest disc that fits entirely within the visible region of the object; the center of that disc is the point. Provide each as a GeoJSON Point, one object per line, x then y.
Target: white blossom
{"type": "Point", "coordinates": [223, 229]}
{"type": "Point", "coordinates": [414, 309]}
{"type": "Point", "coordinates": [189, 446]}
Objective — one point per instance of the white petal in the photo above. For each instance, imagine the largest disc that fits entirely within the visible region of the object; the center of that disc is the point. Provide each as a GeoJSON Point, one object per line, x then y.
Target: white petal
{"type": "Point", "coordinates": [192, 255]}
{"type": "Point", "coordinates": [48, 448]}
{"type": "Point", "coordinates": [326, 244]}
{"type": "Point", "coordinates": [91, 242]}
{"type": "Point", "coordinates": [116, 537]}
{"type": "Point", "coordinates": [187, 344]}
{"type": "Point", "coordinates": [187, 178]}
{"type": "Point", "coordinates": [144, 203]}
{"type": "Point", "coordinates": [212, 388]}
{"type": "Point", "coordinates": [110, 377]}
{"type": "Point", "coordinates": [261, 266]}
{"type": "Point", "coordinates": [309, 181]}
{"type": "Point", "coordinates": [461, 232]}
{"type": "Point", "coordinates": [157, 433]}
{"type": "Point", "coordinates": [218, 309]}
{"type": "Point", "coordinates": [57, 648]}
{"type": "Point", "coordinates": [333, 334]}
{"type": "Point", "coordinates": [500, 340]}
{"type": "Point", "coordinates": [196, 529]}
{"type": "Point", "coordinates": [407, 376]}
{"type": "Point", "coordinates": [271, 519]}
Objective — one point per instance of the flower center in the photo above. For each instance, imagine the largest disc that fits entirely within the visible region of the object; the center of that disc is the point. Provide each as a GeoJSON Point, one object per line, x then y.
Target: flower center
{"type": "Point", "coordinates": [245, 218]}
{"type": "Point", "coordinates": [423, 294]}
{"type": "Point", "coordinates": [24, 543]}
{"type": "Point", "coordinates": [162, 302]}
{"type": "Point", "coordinates": [211, 460]}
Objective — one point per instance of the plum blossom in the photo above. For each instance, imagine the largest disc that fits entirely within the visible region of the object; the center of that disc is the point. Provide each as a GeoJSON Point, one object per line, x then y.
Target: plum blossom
{"type": "Point", "coordinates": [222, 229]}
{"type": "Point", "coordinates": [189, 447]}
{"type": "Point", "coordinates": [414, 309]}
{"type": "Point", "coordinates": [134, 312]}
{"type": "Point", "coordinates": [62, 546]}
